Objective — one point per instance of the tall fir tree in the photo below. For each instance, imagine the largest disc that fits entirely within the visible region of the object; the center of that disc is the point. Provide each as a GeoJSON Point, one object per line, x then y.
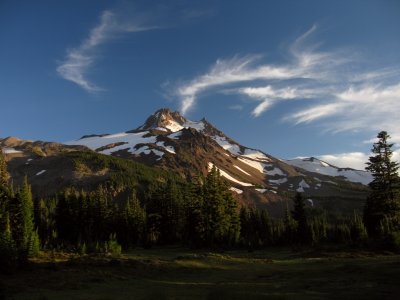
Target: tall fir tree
{"type": "Point", "coordinates": [194, 230]}
{"type": "Point", "coordinates": [383, 201]}
{"type": "Point", "coordinates": [4, 193]}
{"type": "Point", "coordinates": [299, 215]}
{"type": "Point", "coordinates": [134, 218]}
{"type": "Point", "coordinates": [22, 216]}
{"type": "Point", "coordinates": [8, 251]}
{"type": "Point", "coordinates": [217, 222]}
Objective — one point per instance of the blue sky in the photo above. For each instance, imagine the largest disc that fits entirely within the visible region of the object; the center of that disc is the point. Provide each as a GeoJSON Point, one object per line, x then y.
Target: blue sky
{"type": "Point", "coordinates": [293, 78]}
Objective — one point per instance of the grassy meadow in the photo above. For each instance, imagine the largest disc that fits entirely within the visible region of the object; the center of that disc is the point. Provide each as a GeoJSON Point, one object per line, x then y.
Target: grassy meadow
{"type": "Point", "coordinates": [178, 273]}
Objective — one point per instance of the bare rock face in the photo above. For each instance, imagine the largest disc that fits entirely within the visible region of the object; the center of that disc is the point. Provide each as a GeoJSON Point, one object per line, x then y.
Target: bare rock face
{"type": "Point", "coordinates": [163, 118]}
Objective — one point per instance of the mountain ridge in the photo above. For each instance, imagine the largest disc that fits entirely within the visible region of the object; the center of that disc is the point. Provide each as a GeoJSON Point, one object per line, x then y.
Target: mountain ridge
{"type": "Point", "coordinates": [188, 148]}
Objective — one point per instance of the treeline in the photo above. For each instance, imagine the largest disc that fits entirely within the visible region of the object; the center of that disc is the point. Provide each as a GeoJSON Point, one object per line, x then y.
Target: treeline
{"type": "Point", "coordinates": [200, 213]}
{"type": "Point", "coordinates": [19, 238]}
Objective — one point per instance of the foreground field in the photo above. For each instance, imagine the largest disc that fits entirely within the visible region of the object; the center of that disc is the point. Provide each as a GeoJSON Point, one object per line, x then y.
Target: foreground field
{"type": "Point", "coordinates": [177, 273]}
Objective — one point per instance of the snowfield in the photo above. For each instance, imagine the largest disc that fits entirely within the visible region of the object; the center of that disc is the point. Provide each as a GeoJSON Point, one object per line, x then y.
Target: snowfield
{"type": "Point", "coordinates": [130, 141]}
{"type": "Point", "coordinates": [252, 163]}
{"type": "Point", "coordinates": [227, 176]}
{"type": "Point", "coordinates": [232, 148]}
{"type": "Point", "coordinates": [321, 167]}
{"type": "Point", "coordinates": [10, 151]}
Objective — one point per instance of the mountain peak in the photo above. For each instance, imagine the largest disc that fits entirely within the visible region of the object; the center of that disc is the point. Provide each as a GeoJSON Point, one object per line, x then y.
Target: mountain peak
{"type": "Point", "coordinates": [164, 118]}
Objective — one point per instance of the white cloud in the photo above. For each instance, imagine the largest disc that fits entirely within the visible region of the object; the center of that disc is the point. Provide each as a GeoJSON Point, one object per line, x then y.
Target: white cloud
{"type": "Point", "coordinates": [372, 108]}
{"type": "Point", "coordinates": [355, 160]}
{"type": "Point", "coordinates": [78, 60]}
{"type": "Point", "coordinates": [268, 95]}
{"type": "Point", "coordinates": [225, 72]}
{"type": "Point", "coordinates": [305, 64]}
{"type": "Point", "coordinates": [340, 91]}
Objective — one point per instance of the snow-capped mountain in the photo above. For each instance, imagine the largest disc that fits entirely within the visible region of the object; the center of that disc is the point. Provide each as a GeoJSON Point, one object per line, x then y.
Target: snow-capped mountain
{"type": "Point", "coordinates": [316, 165]}
{"type": "Point", "coordinates": [167, 136]}
{"type": "Point", "coordinates": [169, 141]}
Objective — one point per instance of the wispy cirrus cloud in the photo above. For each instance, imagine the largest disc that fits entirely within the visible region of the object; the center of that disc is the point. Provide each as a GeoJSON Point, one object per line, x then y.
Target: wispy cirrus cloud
{"type": "Point", "coordinates": [225, 72]}
{"type": "Point", "coordinates": [336, 89]}
{"type": "Point", "coordinates": [80, 59]}
{"type": "Point", "coordinates": [305, 64]}
{"type": "Point", "coordinates": [372, 107]}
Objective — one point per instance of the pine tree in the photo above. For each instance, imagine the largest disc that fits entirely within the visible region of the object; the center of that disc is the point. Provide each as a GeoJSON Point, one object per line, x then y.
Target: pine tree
{"type": "Point", "coordinates": [23, 231]}
{"type": "Point", "coordinates": [357, 230]}
{"type": "Point", "coordinates": [299, 215]}
{"type": "Point", "coordinates": [289, 235]}
{"type": "Point", "coordinates": [4, 175]}
{"type": "Point", "coordinates": [194, 215]}
{"type": "Point", "coordinates": [4, 193]}
{"type": "Point", "coordinates": [8, 250]}
{"type": "Point", "coordinates": [134, 218]}
{"type": "Point", "coordinates": [217, 219]}
{"type": "Point", "coordinates": [383, 201]}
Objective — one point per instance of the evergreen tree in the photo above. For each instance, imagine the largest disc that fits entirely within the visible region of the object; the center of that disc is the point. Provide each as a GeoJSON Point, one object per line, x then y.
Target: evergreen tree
{"type": "Point", "coordinates": [383, 201]}
{"type": "Point", "coordinates": [194, 230]}
{"type": "Point", "coordinates": [8, 251]}
{"type": "Point", "coordinates": [134, 218]}
{"type": "Point", "coordinates": [299, 215]}
{"type": "Point", "coordinates": [357, 230]}
{"type": "Point", "coordinates": [289, 235]}
{"type": "Point", "coordinates": [217, 208]}
{"type": "Point", "coordinates": [4, 193]}
{"type": "Point", "coordinates": [4, 175]}
{"type": "Point", "coordinates": [22, 216]}
{"type": "Point", "coordinates": [266, 228]}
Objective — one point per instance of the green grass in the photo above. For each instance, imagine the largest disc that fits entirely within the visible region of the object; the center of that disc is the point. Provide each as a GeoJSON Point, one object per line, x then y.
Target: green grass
{"type": "Point", "coordinates": [177, 273]}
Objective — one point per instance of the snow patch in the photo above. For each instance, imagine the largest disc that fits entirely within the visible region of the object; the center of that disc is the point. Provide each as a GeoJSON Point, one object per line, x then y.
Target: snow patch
{"type": "Point", "coordinates": [242, 170]}
{"type": "Point", "coordinates": [266, 190]}
{"type": "Point", "coordinates": [255, 154]}
{"type": "Point", "coordinates": [252, 163]}
{"type": "Point", "coordinates": [199, 126]}
{"type": "Point", "coordinates": [40, 173]}
{"type": "Point", "coordinates": [146, 150]}
{"type": "Point", "coordinates": [321, 167]}
{"type": "Point", "coordinates": [274, 171]}
{"type": "Point", "coordinates": [130, 141]}
{"type": "Point", "coordinates": [278, 181]}
{"type": "Point", "coordinates": [175, 135]}
{"type": "Point", "coordinates": [170, 149]}
{"type": "Point", "coordinates": [236, 190]}
{"type": "Point", "coordinates": [302, 185]}
{"type": "Point", "coordinates": [227, 176]}
{"type": "Point", "coordinates": [222, 141]}
{"type": "Point", "coordinates": [10, 151]}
